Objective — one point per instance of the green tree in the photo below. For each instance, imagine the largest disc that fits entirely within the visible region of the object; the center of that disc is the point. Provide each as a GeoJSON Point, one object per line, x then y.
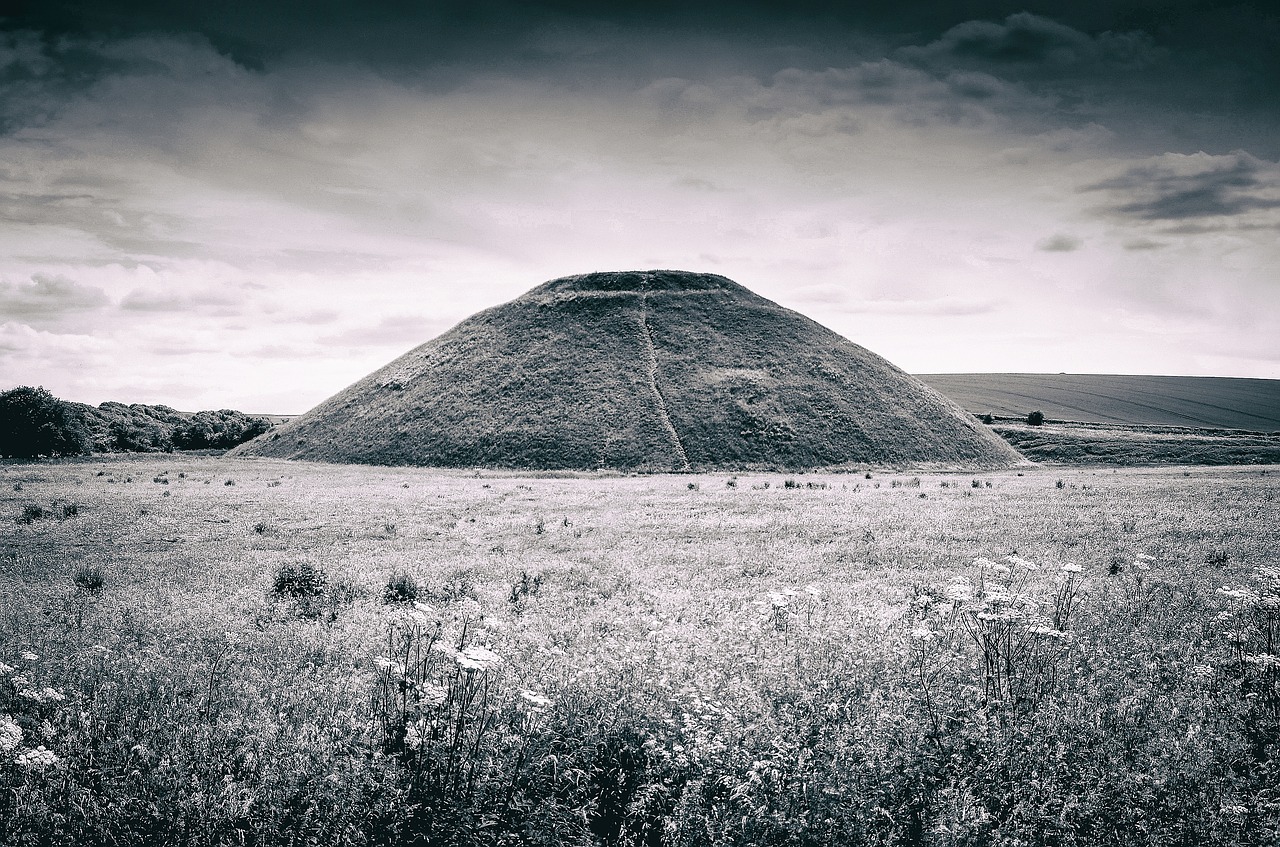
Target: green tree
{"type": "Point", "coordinates": [1036, 418]}
{"type": "Point", "coordinates": [35, 423]}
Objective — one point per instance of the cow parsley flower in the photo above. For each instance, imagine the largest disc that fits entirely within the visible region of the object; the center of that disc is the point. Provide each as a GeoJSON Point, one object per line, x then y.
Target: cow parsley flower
{"type": "Point", "coordinates": [10, 734]}
{"type": "Point", "coordinates": [37, 759]}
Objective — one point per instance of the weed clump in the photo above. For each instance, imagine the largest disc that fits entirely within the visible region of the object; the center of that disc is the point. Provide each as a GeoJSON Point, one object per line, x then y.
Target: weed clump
{"type": "Point", "coordinates": [401, 588]}
{"type": "Point", "coordinates": [89, 579]}
{"type": "Point", "coordinates": [33, 512]}
{"type": "Point", "coordinates": [299, 581]}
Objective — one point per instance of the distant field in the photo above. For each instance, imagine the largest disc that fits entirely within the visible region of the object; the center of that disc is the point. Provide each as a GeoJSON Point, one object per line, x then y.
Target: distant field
{"type": "Point", "coordinates": [1250, 404]}
{"type": "Point", "coordinates": [198, 651]}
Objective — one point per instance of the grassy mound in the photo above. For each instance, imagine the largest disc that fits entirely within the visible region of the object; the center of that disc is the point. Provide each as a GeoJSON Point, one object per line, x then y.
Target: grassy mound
{"type": "Point", "coordinates": [658, 371]}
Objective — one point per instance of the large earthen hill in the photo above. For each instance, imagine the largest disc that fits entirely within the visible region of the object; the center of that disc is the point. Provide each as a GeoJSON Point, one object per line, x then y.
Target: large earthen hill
{"type": "Point", "coordinates": [643, 370]}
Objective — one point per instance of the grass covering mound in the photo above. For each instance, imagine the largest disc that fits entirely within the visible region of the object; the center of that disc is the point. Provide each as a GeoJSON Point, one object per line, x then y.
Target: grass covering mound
{"type": "Point", "coordinates": [650, 371]}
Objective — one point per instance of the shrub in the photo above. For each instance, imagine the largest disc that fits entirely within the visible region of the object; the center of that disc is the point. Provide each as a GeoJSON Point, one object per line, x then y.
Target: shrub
{"type": "Point", "coordinates": [70, 510]}
{"type": "Point", "coordinates": [988, 419]}
{"type": "Point", "coordinates": [35, 423]}
{"type": "Point", "coordinates": [1036, 418]}
{"type": "Point", "coordinates": [89, 579]}
{"type": "Point", "coordinates": [302, 580]}
{"type": "Point", "coordinates": [401, 588]}
{"type": "Point", "coordinates": [32, 512]}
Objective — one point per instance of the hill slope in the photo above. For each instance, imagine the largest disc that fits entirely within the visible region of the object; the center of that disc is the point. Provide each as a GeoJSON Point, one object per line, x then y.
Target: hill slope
{"type": "Point", "coordinates": [658, 370]}
{"type": "Point", "coordinates": [1249, 404]}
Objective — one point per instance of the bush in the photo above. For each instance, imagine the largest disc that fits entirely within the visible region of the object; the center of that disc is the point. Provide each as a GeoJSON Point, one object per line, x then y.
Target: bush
{"type": "Point", "coordinates": [33, 512]}
{"type": "Point", "coordinates": [401, 588]}
{"type": "Point", "coordinates": [89, 579]}
{"type": "Point", "coordinates": [35, 423]}
{"type": "Point", "coordinates": [299, 581]}
{"type": "Point", "coordinates": [1036, 418]}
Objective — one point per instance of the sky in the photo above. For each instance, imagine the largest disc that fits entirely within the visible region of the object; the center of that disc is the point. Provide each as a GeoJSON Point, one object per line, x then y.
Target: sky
{"type": "Point", "coordinates": [252, 204]}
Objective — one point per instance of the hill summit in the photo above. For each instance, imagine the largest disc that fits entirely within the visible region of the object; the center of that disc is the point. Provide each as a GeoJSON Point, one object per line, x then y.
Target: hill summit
{"type": "Point", "coordinates": [641, 370]}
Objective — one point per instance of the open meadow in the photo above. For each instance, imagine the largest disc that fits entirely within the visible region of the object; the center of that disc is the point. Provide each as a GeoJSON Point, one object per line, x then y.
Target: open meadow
{"type": "Point", "coordinates": [202, 650]}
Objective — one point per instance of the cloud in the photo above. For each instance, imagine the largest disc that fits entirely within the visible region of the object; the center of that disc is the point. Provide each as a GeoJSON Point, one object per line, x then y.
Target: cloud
{"type": "Point", "coordinates": [206, 302]}
{"type": "Point", "coordinates": [391, 331]}
{"type": "Point", "coordinates": [1025, 40]}
{"type": "Point", "coordinates": [948, 305]}
{"type": "Point", "coordinates": [1060, 243]}
{"type": "Point", "coordinates": [49, 296]}
{"type": "Point", "coordinates": [1144, 244]}
{"type": "Point", "coordinates": [1194, 190]}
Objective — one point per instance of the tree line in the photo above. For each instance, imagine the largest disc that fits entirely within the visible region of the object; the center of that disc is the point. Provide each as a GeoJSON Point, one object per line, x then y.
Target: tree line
{"type": "Point", "coordinates": [33, 422]}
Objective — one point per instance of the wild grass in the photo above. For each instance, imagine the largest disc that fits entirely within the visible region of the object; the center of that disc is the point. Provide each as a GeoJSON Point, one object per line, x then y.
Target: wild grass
{"type": "Point", "coordinates": [1020, 663]}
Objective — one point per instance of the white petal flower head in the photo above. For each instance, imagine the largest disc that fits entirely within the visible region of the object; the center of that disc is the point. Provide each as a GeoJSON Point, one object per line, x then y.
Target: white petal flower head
{"type": "Point", "coordinates": [27, 655]}
{"type": "Point", "coordinates": [813, 590]}
{"type": "Point", "coordinates": [1072, 568]}
{"type": "Point", "coordinates": [10, 734]}
{"type": "Point", "coordinates": [6, 669]}
{"type": "Point", "coordinates": [483, 655]}
{"type": "Point", "coordinates": [983, 562]}
{"type": "Point", "coordinates": [921, 632]}
{"type": "Point", "coordinates": [36, 760]}
{"type": "Point", "coordinates": [778, 600]}
{"type": "Point", "coordinates": [535, 699]}
{"type": "Point", "coordinates": [959, 592]}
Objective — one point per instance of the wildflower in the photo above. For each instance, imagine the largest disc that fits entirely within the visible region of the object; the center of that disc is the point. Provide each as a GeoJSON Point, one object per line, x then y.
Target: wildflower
{"type": "Point", "coordinates": [99, 650]}
{"type": "Point", "coordinates": [389, 666]}
{"type": "Point", "coordinates": [1263, 660]}
{"type": "Point", "coordinates": [535, 699]}
{"type": "Point", "coordinates": [445, 650]}
{"type": "Point", "coordinates": [10, 734]}
{"type": "Point", "coordinates": [1071, 568]}
{"type": "Point", "coordinates": [1202, 673]}
{"type": "Point", "coordinates": [430, 695]}
{"type": "Point", "coordinates": [5, 669]}
{"type": "Point", "coordinates": [476, 657]}
{"type": "Point", "coordinates": [922, 632]}
{"type": "Point", "coordinates": [47, 729]}
{"type": "Point", "coordinates": [1047, 631]}
{"type": "Point", "coordinates": [43, 695]}
{"type": "Point", "coordinates": [28, 656]}
{"type": "Point", "coordinates": [1238, 594]}
{"type": "Point", "coordinates": [37, 759]}
{"type": "Point", "coordinates": [777, 600]}
{"type": "Point", "coordinates": [1019, 562]}
{"type": "Point", "coordinates": [959, 592]}
{"type": "Point", "coordinates": [413, 736]}
{"type": "Point", "coordinates": [813, 590]}
{"type": "Point", "coordinates": [983, 562]}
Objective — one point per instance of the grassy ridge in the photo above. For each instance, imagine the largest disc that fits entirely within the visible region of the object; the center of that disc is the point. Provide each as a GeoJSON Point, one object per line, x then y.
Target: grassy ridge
{"type": "Point", "coordinates": [1248, 404]}
{"type": "Point", "coordinates": [1077, 443]}
{"type": "Point", "coordinates": [669, 660]}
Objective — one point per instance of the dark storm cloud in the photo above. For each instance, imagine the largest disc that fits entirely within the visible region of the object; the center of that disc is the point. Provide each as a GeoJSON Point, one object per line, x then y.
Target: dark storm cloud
{"type": "Point", "coordinates": [1202, 188]}
{"type": "Point", "coordinates": [48, 296]}
{"type": "Point", "coordinates": [1025, 40]}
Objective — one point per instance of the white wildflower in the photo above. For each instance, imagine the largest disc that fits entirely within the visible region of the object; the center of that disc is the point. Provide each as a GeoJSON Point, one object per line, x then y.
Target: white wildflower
{"type": "Point", "coordinates": [813, 590]}
{"type": "Point", "coordinates": [1263, 660]}
{"type": "Point", "coordinates": [959, 592]}
{"type": "Point", "coordinates": [430, 695]}
{"type": "Point", "coordinates": [6, 669]}
{"type": "Point", "coordinates": [535, 699]}
{"type": "Point", "coordinates": [1202, 673]}
{"type": "Point", "coordinates": [1071, 568]}
{"type": "Point", "coordinates": [983, 562]}
{"type": "Point", "coordinates": [10, 734]}
{"type": "Point", "coordinates": [778, 600]}
{"type": "Point", "coordinates": [922, 632]}
{"type": "Point", "coordinates": [483, 655]}
{"type": "Point", "coordinates": [413, 736]}
{"type": "Point", "coordinates": [37, 759]}
{"type": "Point", "coordinates": [27, 655]}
